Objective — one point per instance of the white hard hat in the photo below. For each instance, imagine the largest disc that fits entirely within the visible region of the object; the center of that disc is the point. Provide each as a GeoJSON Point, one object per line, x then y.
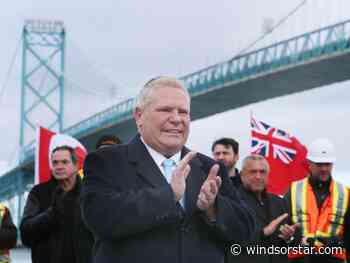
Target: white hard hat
{"type": "Point", "coordinates": [321, 151]}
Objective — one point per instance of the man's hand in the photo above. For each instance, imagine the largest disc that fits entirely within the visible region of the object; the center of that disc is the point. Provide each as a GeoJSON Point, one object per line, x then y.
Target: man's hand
{"type": "Point", "coordinates": [209, 191]}
{"type": "Point", "coordinates": [180, 173]}
{"type": "Point", "coordinates": [287, 231]}
{"type": "Point", "coordinates": [272, 226]}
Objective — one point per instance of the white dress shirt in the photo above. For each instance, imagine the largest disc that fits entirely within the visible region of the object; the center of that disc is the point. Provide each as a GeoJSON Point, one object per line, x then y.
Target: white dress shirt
{"type": "Point", "coordinates": [159, 158]}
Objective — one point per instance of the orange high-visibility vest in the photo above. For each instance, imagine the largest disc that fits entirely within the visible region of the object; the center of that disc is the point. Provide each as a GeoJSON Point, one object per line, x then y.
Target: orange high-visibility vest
{"type": "Point", "coordinates": [4, 253]}
{"type": "Point", "coordinates": [328, 221]}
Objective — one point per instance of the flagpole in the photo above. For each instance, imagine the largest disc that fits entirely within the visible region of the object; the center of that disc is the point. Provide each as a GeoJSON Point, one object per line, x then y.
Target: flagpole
{"type": "Point", "coordinates": [251, 136]}
{"type": "Point", "coordinates": [37, 154]}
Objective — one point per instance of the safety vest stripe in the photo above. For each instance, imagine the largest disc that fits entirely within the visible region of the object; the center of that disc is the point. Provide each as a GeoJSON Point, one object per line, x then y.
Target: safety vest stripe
{"type": "Point", "coordinates": [306, 218]}
{"type": "Point", "coordinates": [299, 206]}
{"type": "Point", "coordinates": [343, 207]}
{"type": "Point", "coordinates": [293, 205]}
{"type": "Point", "coordinates": [338, 200]}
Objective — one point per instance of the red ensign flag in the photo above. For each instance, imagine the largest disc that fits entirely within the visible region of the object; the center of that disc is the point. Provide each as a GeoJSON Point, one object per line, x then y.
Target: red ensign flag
{"type": "Point", "coordinates": [285, 154]}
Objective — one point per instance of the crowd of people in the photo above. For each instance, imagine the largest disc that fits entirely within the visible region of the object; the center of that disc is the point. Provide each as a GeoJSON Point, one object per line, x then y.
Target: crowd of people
{"type": "Point", "coordinates": [155, 200]}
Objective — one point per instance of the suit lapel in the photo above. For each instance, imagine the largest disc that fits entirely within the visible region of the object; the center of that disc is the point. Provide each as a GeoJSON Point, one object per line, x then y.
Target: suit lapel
{"type": "Point", "coordinates": [148, 170]}
{"type": "Point", "coordinates": [145, 165]}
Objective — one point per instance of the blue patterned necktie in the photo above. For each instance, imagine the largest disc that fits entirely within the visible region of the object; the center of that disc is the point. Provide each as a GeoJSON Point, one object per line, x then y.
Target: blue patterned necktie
{"type": "Point", "coordinates": [168, 166]}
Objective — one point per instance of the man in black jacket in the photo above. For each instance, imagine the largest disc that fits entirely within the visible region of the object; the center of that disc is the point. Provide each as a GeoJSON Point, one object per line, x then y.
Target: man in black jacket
{"type": "Point", "coordinates": [154, 200]}
{"type": "Point", "coordinates": [51, 224]}
{"type": "Point", "coordinates": [270, 213]}
{"type": "Point", "coordinates": [8, 234]}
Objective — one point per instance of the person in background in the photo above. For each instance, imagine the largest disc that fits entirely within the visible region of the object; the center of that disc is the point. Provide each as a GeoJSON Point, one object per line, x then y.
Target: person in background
{"type": "Point", "coordinates": [107, 140]}
{"type": "Point", "coordinates": [52, 226]}
{"type": "Point", "coordinates": [8, 234]}
{"type": "Point", "coordinates": [320, 205]}
{"type": "Point", "coordinates": [271, 213]}
{"type": "Point", "coordinates": [226, 150]}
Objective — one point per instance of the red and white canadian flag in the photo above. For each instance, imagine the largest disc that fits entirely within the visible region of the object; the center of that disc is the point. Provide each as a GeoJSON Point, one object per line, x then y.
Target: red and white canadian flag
{"type": "Point", "coordinates": [46, 142]}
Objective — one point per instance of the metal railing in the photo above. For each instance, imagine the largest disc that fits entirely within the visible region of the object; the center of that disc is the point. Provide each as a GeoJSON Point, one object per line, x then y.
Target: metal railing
{"type": "Point", "coordinates": [300, 49]}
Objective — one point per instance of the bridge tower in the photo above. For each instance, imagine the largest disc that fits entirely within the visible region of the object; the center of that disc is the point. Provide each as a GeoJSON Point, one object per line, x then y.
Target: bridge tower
{"type": "Point", "coordinates": [42, 88]}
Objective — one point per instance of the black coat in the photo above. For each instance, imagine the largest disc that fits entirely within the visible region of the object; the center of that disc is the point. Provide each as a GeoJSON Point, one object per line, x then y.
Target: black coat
{"type": "Point", "coordinates": [129, 206]}
{"type": "Point", "coordinates": [43, 229]}
{"type": "Point", "coordinates": [265, 211]}
{"type": "Point", "coordinates": [8, 231]}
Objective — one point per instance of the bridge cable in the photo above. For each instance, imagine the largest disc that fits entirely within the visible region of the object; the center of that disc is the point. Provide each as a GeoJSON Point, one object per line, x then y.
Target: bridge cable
{"type": "Point", "coordinates": [4, 84]}
{"type": "Point", "coordinates": [101, 94]}
{"type": "Point", "coordinates": [280, 22]}
{"type": "Point", "coordinates": [92, 65]}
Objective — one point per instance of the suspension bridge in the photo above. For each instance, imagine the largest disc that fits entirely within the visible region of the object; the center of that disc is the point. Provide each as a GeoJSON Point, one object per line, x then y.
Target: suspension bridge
{"type": "Point", "coordinates": [303, 62]}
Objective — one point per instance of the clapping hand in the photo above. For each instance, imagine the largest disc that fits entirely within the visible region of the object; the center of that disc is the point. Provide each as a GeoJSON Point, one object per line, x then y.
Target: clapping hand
{"type": "Point", "coordinates": [208, 193]}
{"type": "Point", "coordinates": [180, 173]}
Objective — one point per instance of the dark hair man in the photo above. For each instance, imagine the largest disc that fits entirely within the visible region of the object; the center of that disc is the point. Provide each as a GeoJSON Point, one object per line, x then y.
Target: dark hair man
{"type": "Point", "coordinates": [226, 150]}
{"type": "Point", "coordinates": [51, 224]}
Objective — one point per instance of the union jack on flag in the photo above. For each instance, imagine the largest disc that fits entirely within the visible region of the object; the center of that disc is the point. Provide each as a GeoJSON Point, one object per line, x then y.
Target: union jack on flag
{"type": "Point", "coordinates": [271, 142]}
{"type": "Point", "coordinates": [284, 153]}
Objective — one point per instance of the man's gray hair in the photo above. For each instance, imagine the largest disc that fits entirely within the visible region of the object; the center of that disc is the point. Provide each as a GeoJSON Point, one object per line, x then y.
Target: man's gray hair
{"type": "Point", "coordinates": [254, 157]}
{"type": "Point", "coordinates": [145, 96]}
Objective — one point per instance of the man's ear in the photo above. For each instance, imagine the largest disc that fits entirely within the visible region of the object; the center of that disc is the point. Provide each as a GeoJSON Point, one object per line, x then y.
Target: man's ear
{"type": "Point", "coordinates": [137, 116]}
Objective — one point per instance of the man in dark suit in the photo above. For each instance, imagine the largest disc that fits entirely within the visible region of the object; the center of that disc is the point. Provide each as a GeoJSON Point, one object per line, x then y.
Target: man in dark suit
{"type": "Point", "coordinates": [154, 200]}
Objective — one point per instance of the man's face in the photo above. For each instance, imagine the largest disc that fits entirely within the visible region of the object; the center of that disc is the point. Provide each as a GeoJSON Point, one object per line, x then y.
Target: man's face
{"type": "Point", "coordinates": [321, 171]}
{"type": "Point", "coordinates": [254, 176]}
{"type": "Point", "coordinates": [62, 165]}
{"type": "Point", "coordinates": [164, 122]}
{"type": "Point", "coordinates": [226, 155]}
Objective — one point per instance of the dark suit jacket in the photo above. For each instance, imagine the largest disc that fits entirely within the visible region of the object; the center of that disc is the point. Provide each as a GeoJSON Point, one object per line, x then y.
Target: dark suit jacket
{"type": "Point", "coordinates": [129, 206]}
{"type": "Point", "coordinates": [270, 208]}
